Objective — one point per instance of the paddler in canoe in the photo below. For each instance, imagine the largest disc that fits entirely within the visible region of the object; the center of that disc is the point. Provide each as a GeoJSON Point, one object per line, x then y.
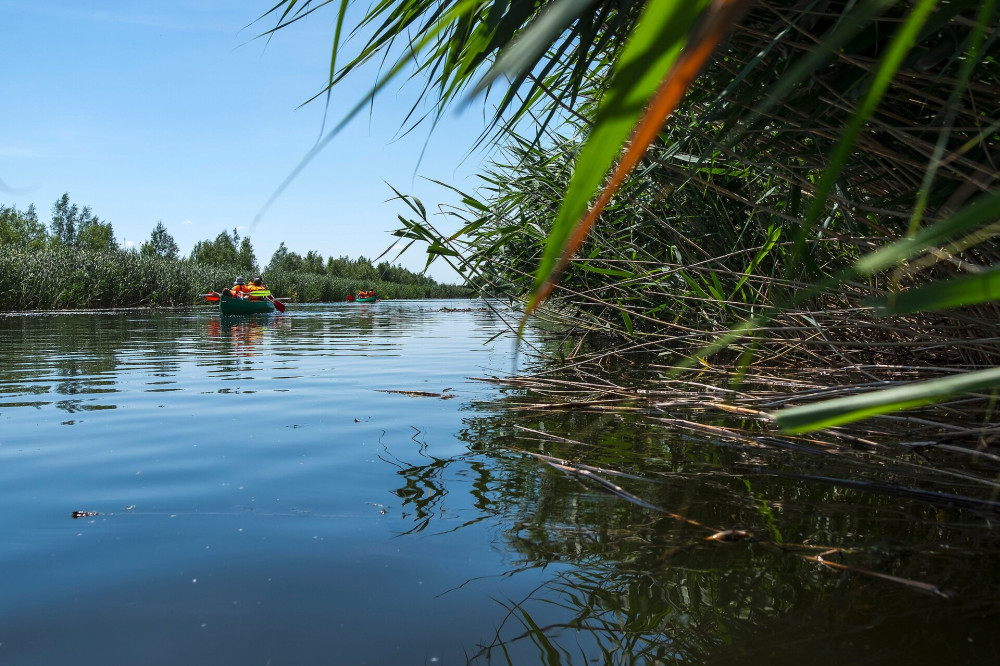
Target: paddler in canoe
{"type": "Point", "coordinates": [255, 291]}
{"type": "Point", "coordinates": [251, 298]}
{"type": "Point", "coordinates": [258, 286]}
{"type": "Point", "coordinates": [240, 289]}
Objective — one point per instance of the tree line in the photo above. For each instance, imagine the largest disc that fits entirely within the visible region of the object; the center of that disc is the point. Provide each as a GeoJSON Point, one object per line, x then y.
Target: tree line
{"type": "Point", "coordinates": [72, 227]}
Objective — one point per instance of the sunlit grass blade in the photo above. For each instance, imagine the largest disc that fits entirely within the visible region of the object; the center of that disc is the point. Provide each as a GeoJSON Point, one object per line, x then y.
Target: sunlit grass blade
{"type": "Point", "coordinates": [962, 291]}
{"type": "Point", "coordinates": [856, 407]}
{"type": "Point", "coordinates": [645, 63]}
{"type": "Point", "coordinates": [536, 38]}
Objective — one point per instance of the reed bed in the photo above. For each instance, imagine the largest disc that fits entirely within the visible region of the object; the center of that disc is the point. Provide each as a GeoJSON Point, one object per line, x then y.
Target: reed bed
{"type": "Point", "coordinates": [731, 273]}
{"type": "Point", "coordinates": [820, 135]}
{"type": "Point", "coordinates": [58, 279]}
{"type": "Point", "coordinates": [53, 279]}
{"type": "Point", "coordinates": [944, 454]}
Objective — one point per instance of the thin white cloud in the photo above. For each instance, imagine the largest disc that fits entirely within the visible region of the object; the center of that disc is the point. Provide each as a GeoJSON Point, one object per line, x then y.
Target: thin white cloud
{"type": "Point", "coordinates": [188, 19]}
{"type": "Point", "coordinates": [4, 187]}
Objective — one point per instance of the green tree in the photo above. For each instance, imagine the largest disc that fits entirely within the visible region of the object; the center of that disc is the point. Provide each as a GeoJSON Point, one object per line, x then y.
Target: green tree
{"type": "Point", "coordinates": [95, 235]}
{"type": "Point", "coordinates": [364, 270]}
{"type": "Point", "coordinates": [63, 224]}
{"type": "Point", "coordinates": [284, 259]}
{"type": "Point", "coordinates": [226, 250]}
{"type": "Point", "coordinates": [313, 263]}
{"type": "Point", "coordinates": [160, 244]}
{"type": "Point", "coordinates": [245, 258]}
{"type": "Point", "coordinates": [18, 227]}
{"type": "Point", "coordinates": [338, 267]}
{"type": "Point", "coordinates": [79, 228]}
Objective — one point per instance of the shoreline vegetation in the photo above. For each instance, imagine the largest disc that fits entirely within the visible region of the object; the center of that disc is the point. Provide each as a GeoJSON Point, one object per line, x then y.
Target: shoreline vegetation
{"type": "Point", "coordinates": [74, 263]}
{"type": "Point", "coordinates": [811, 221]}
{"type": "Point", "coordinates": [71, 279]}
{"type": "Point", "coordinates": [737, 190]}
{"type": "Point", "coordinates": [748, 221]}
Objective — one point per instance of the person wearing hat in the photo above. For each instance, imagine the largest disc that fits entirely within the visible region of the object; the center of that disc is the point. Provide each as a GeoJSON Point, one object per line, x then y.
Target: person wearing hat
{"type": "Point", "coordinates": [257, 284]}
{"type": "Point", "coordinates": [239, 289]}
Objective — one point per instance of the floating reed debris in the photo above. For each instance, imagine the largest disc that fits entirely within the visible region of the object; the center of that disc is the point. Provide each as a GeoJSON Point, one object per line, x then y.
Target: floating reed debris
{"type": "Point", "coordinates": [444, 395]}
{"type": "Point", "coordinates": [823, 558]}
{"type": "Point", "coordinates": [967, 422]}
{"type": "Point", "coordinates": [938, 455]}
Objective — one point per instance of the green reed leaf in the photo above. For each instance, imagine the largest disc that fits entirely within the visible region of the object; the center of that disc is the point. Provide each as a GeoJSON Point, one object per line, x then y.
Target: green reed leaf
{"type": "Point", "coordinates": [956, 292]}
{"type": "Point", "coordinates": [656, 42]}
{"type": "Point", "coordinates": [856, 407]}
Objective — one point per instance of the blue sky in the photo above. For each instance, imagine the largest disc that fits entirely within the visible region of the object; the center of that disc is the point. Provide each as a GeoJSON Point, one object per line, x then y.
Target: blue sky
{"type": "Point", "coordinates": [176, 112]}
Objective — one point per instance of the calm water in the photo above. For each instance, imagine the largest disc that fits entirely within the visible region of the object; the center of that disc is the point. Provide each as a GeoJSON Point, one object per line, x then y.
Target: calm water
{"type": "Point", "coordinates": [266, 495]}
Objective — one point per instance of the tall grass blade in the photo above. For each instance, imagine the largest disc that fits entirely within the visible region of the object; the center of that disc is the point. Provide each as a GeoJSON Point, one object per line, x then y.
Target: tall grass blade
{"type": "Point", "coordinates": [537, 37]}
{"type": "Point", "coordinates": [962, 291]}
{"type": "Point", "coordinates": [856, 407]}
{"type": "Point", "coordinates": [646, 61]}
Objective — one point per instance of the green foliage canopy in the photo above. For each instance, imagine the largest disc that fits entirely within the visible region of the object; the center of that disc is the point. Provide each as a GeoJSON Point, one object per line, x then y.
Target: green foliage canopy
{"type": "Point", "coordinates": [226, 250]}
{"type": "Point", "coordinates": [21, 227]}
{"type": "Point", "coordinates": [79, 228]}
{"type": "Point", "coordinates": [160, 244]}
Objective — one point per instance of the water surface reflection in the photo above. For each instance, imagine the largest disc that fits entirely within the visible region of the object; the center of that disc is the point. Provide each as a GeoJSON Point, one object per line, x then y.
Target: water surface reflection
{"type": "Point", "coordinates": [299, 489]}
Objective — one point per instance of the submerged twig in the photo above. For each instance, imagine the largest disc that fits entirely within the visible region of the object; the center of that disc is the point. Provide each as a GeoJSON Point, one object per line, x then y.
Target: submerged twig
{"type": "Point", "coordinates": [914, 584]}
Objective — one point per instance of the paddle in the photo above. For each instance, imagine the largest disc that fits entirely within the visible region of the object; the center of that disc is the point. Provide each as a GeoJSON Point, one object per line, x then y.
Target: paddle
{"type": "Point", "coordinates": [277, 304]}
{"type": "Point", "coordinates": [211, 296]}
{"type": "Point", "coordinates": [266, 295]}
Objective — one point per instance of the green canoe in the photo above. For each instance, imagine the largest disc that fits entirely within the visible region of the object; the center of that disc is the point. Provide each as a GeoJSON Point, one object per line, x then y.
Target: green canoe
{"type": "Point", "coordinates": [244, 306]}
{"type": "Point", "coordinates": [365, 300]}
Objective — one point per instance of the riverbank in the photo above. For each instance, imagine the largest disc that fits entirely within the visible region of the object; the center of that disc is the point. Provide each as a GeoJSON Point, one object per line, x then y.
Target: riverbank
{"type": "Point", "coordinates": [942, 455]}
{"type": "Point", "coordinates": [65, 279]}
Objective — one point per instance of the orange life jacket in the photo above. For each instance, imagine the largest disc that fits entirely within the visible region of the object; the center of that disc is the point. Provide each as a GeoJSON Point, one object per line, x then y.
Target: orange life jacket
{"type": "Point", "coordinates": [255, 287]}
